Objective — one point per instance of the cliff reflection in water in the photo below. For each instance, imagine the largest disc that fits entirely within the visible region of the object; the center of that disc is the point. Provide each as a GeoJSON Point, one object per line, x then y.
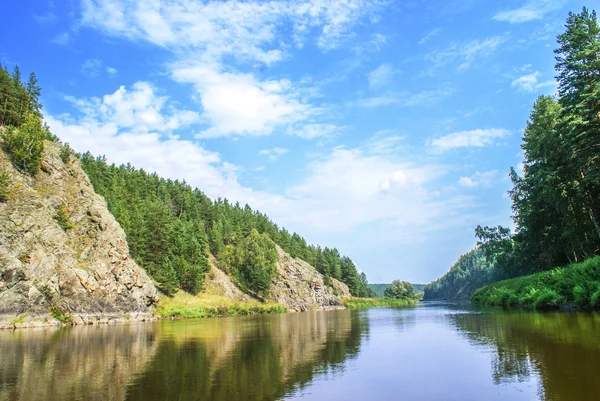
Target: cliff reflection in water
{"type": "Point", "coordinates": [563, 349]}
{"type": "Point", "coordinates": [256, 357]}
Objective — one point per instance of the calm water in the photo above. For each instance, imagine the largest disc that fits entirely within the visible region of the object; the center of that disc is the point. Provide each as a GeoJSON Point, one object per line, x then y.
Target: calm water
{"type": "Point", "coordinates": [432, 352]}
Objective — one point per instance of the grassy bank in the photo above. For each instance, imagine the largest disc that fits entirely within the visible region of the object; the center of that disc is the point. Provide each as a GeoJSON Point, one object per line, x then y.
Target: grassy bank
{"type": "Point", "coordinates": [194, 306]}
{"type": "Point", "coordinates": [572, 286]}
{"type": "Point", "coordinates": [363, 303]}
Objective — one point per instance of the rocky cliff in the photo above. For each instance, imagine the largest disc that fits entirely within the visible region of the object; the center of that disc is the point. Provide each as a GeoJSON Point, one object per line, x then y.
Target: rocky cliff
{"type": "Point", "coordinates": [300, 287]}
{"type": "Point", "coordinates": [63, 256]}
{"type": "Point", "coordinates": [61, 251]}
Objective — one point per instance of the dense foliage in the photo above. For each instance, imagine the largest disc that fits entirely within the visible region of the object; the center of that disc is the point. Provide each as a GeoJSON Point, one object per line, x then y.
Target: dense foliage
{"type": "Point", "coordinates": [399, 290]}
{"type": "Point", "coordinates": [556, 201]}
{"type": "Point", "coordinates": [171, 229]}
{"type": "Point", "coordinates": [470, 272]}
{"type": "Point", "coordinates": [576, 285]}
{"type": "Point", "coordinates": [20, 113]}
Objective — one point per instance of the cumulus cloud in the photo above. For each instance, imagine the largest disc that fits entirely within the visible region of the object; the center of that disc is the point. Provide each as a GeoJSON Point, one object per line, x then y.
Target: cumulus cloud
{"type": "Point", "coordinates": [209, 33]}
{"type": "Point", "coordinates": [472, 138]}
{"type": "Point", "coordinates": [342, 190]}
{"type": "Point", "coordinates": [237, 103]}
{"type": "Point", "coordinates": [531, 10]}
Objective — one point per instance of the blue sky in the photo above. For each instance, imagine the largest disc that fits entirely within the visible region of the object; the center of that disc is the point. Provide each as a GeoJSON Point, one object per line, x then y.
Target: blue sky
{"type": "Point", "coordinates": [383, 128]}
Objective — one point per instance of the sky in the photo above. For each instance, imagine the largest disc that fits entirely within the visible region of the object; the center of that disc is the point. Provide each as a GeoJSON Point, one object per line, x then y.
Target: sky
{"type": "Point", "coordinates": [383, 128]}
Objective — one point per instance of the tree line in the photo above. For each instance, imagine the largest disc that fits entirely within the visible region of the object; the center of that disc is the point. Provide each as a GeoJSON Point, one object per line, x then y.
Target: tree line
{"type": "Point", "coordinates": [556, 198]}
{"type": "Point", "coordinates": [172, 229]}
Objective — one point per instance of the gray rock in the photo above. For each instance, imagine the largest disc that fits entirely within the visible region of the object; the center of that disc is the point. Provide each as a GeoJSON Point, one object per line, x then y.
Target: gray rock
{"type": "Point", "coordinates": [84, 270]}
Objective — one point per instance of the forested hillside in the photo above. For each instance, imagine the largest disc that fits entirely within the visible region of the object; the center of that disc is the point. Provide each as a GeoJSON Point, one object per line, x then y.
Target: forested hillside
{"type": "Point", "coordinates": [470, 272]}
{"type": "Point", "coordinates": [171, 228]}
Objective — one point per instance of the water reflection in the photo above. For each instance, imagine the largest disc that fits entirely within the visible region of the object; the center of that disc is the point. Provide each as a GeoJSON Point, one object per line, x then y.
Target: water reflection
{"type": "Point", "coordinates": [91, 363]}
{"type": "Point", "coordinates": [250, 358]}
{"type": "Point", "coordinates": [563, 349]}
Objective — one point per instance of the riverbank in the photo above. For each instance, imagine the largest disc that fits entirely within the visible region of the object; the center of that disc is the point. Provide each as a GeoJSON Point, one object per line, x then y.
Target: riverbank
{"type": "Point", "coordinates": [575, 286]}
{"type": "Point", "coordinates": [183, 305]}
{"type": "Point", "coordinates": [365, 303]}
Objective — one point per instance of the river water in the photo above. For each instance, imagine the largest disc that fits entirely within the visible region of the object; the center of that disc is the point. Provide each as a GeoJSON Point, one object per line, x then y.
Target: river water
{"type": "Point", "coordinates": [431, 352]}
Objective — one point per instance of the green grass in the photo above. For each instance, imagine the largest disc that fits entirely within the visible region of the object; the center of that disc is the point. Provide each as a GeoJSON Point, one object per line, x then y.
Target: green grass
{"type": "Point", "coordinates": [574, 286]}
{"type": "Point", "coordinates": [184, 305]}
{"type": "Point", "coordinates": [364, 303]}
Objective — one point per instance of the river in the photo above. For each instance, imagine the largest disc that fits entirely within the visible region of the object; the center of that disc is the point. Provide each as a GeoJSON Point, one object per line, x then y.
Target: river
{"type": "Point", "coordinates": [434, 351]}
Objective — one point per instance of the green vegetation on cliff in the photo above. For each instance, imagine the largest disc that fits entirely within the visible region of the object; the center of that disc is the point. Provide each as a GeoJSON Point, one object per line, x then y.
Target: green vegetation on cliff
{"type": "Point", "coordinates": [171, 228]}
{"type": "Point", "coordinates": [576, 285]}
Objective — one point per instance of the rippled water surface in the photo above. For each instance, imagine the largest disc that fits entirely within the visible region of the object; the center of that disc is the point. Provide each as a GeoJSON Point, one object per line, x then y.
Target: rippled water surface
{"type": "Point", "coordinates": [432, 352]}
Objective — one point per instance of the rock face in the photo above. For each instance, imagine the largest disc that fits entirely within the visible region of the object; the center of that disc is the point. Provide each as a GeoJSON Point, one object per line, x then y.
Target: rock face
{"type": "Point", "coordinates": [84, 270]}
{"type": "Point", "coordinates": [300, 287]}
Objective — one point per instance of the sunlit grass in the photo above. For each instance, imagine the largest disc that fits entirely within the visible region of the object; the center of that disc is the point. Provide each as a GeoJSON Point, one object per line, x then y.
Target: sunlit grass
{"type": "Point", "coordinates": [363, 303]}
{"type": "Point", "coordinates": [573, 286]}
{"type": "Point", "coordinates": [185, 305]}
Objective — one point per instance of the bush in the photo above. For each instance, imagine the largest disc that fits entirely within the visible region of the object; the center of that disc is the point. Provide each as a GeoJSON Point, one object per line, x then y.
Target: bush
{"type": "Point", "coordinates": [25, 144]}
{"type": "Point", "coordinates": [581, 296]}
{"type": "Point", "coordinates": [547, 299]}
{"type": "Point", "coordinates": [595, 300]}
{"type": "Point", "coordinates": [65, 153]}
{"type": "Point", "coordinates": [4, 184]}
{"type": "Point", "coordinates": [63, 218]}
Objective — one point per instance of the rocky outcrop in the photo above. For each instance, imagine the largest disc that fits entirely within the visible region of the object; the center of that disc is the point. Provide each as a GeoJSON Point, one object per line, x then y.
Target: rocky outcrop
{"type": "Point", "coordinates": [62, 250]}
{"type": "Point", "coordinates": [300, 287]}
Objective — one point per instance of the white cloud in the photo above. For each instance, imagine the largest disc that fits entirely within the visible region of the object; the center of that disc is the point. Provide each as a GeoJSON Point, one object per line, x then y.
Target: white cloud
{"type": "Point", "coordinates": [273, 154]}
{"type": "Point", "coordinates": [111, 70]}
{"type": "Point", "coordinates": [311, 131]}
{"type": "Point", "coordinates": [343, 189]}
{"type": "Point", "coordinates": [531, 10]}
{"type": "Point", "coordinates": [485, 179]}
{"type": "Point", "coordinates": [91, 67]}
{"type": "Point", "coordinates": [381, 75]}
{"type": "Point", "coordinates": [62, 39]}
{"type": "Point", "coordinates": [238, 104]}
{"type": "Point", "coordinates": [429, 36]}
{"type": "Point", "coordinates": [530, 83]}
{"type": "Point", "coordinates": [466, 54]}
{"type": "Point", "coordinates": [473, 138]}
{"type": "Point", "coordinates": [204, 36]}
{"type": "Point", "coordinates": [139, 109]}
{"type": "Point", "coordinates": [404, 99]}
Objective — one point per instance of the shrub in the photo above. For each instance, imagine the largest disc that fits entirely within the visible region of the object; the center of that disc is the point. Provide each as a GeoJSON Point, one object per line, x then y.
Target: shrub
{"type": "Point", "coordinates": [580, 296]}
{"type": "Point", "coordinates": [595, 299]}
{"type": "Point", "coordinates": [4, 184]}
{"type": "Point", "coordinates": [65, 153]}
{"type": "Point", "coordinates": [25, 144]}
{"type": "Point", "coordinates": [547, 299]}
{"type": "Point", "coordinates": [63, 218]}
